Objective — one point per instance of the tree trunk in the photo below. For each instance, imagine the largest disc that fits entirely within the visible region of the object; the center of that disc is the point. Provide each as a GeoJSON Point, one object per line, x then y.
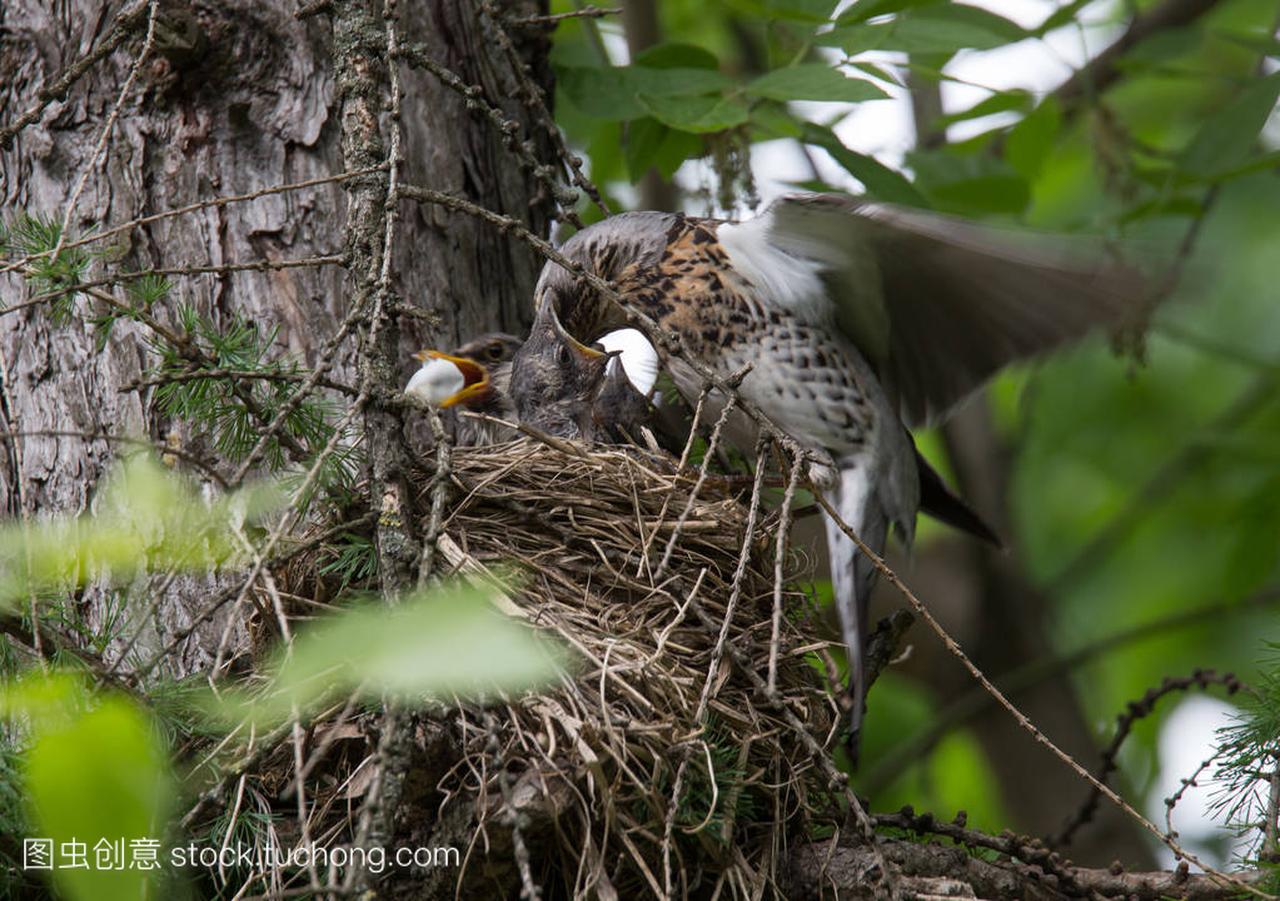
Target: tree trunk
{"type": "Point", "coordinates": [238, 96]}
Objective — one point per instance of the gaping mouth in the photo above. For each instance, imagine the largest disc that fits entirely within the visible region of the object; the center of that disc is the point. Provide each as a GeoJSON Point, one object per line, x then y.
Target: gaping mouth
{"type": "Point", "coordinates": [475, 378]}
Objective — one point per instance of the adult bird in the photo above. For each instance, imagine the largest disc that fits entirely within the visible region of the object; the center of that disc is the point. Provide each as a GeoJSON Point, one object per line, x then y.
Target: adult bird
{"type": "Point", "coordinates": [475, 376]}
{"type": "Point", "coordinates": [858, 320]}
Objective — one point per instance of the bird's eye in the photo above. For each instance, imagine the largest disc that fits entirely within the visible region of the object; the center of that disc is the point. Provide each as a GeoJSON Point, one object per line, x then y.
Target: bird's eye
{"type": "Point", "coordinates": [562, 355]}
{"type": "Point", "coordinates": [495, 351]}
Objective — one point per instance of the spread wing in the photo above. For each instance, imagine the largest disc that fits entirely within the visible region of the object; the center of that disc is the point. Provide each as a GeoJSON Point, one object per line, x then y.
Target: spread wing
{"type": "Point", "coordinates": [937, 304]}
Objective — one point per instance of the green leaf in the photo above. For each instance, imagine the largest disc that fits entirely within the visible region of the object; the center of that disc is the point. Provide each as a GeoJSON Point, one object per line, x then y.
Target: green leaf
{"type": "Point", "coordinates": [145, 516]}
{"type": "Point", "coordinates": [1267, 45]}
{"type": "Point", "coordinates": [813, 81]}
{"type": "Point", "coordinates": [879, 180]}
{"type": "Point", "coordinates": [772, 119]}
{"type": "Point", "coordinates": [999, 102]}
{"type": "Point", "coordinates": [613, 93]}
{"type": "Point", "coordinates": [1162, 47]}
{"type": "Point", "coordinates": [807, 12]}
{"type": "Point", "coordinates": [985, 194]}
{"type": "Point", "coordinates": [650, 144]}
{"type": "Point", "coordinates": [884, 73]}
{"type": "Point", "coordinates": [695, 114]}
{"type": "Point", "coordinates": [939, 28]}
{"type": "Point", "coordinates": [99, 784]}
{"type": "Point", "coordinates": [969, 185]}
{"type": "Point", "coordinates": [1228, 136]}
{"type": "Point", "coordinates": [862, 10]}
{"type": "Point", "coordinates": [674, 55]}
{"type": "Point", "coordinates": [1063, 15]}
{"type": "Point", "coordinates": [433, 644]}
{"type": "Point", "coordinates": [1030, 142]}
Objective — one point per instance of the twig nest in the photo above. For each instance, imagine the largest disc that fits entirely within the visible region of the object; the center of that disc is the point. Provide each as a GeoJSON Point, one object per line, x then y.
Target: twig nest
{"type": "Point", "coordinates": [588, 532]}
{"type": "Point", "coordinates": [650, 691]}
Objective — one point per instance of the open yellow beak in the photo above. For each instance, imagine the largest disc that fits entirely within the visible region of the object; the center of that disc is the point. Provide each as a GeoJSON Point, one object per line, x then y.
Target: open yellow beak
{"type": "Point", "coordinates": [475, 378]}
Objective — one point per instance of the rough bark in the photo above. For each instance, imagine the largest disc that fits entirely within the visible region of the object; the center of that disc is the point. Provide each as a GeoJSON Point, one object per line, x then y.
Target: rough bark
{"type": "Point", "coordinates": [239, 96]}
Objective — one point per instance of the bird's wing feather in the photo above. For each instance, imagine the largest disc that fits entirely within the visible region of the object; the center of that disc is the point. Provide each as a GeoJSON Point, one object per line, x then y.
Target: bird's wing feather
{"type": "Point", "coordinates": [937, 304]}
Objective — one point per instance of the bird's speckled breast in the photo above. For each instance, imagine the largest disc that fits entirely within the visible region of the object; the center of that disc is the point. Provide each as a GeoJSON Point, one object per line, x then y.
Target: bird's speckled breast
{"type": "Point", "coordinates": [803, 374]}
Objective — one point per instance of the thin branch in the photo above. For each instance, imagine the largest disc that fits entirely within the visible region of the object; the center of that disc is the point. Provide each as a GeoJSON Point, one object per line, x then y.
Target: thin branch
{"type": "Point", "coordinates": [161, 447]}
{"type": "Point", "coordinates": [1133, 712]}
{"type": "Point", "coordinates": [251, 374]}
{"type": "Point", "coordinates": [104, 137]}
{"type": "Point", "coordinates": [121, 277]}
{"type": "Point", "coordinates": [587, 12]}
{"type": "Point", "coordinates": [125, 24]}
{"type": "Point", "coordinates": [532, 95]}
{"type": "Point", "coordinates": [473, 98]}
{"type": "Point", "coordinates": [976, 700]}
{"type": "Point", "coordinates": [779, 558]}
{"type": "Point", "coordinates": [213, 203]}
{"type": "Point", "coordinates": [1101, 72]}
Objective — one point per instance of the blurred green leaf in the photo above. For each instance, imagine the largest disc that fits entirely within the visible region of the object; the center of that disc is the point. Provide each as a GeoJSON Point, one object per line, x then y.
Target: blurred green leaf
{"type": "Point", "coordinates": [1267, 45]}
{"type": "Point", "coordinates": [1030, 142]}
{"type": "Point", "coordinates": [936, 28]}
{"type": "Point", "coordinates": [433, 644]}
{"type": "Point", "coordinates": [613, 93]}
{"type": "Point", "coordinates": [973, 185]}
{"type": "Point", "coordinates": [695, 114]}
{"type": "Point", "coordinates": [98, 785]}
{"type": "Point", "coordinates": [861, 10]}
{"type": "Point", "coordinates": [884, 73]}
{"type": "Point", "coordinates": [649, 143]}
{"type": "Point", "coordinates": [145, 516]}
{"type": "Point", "coordinates": [880, 181]}
{"type": "Point", "coordinates": [674, 55]}
{"type": "Point", "coordinates": [810, 12]}
{"type": "Point", "coordinates": [1162, 47]}
{"type": "Point", "coordinates": [1063, 15]}
{"type": "Point", "coordinates": [772, 119]}
{"type": "Point", "coordinates": [1226, 138]}
{"type": "Point", "coordinates": [983, 194]}
{"type": "Point", "coordinates": [814, 81]}
{"type": "Point", "coordinates": [999, 102]}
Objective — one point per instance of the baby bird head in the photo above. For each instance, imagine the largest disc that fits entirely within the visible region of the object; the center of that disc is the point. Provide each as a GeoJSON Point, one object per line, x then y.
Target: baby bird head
{"type": "Point", "coordinates": [467, 376]}
{"type": "Point", "coordinates": [555, 378]}
{"type": "Point", "coordinates": [446, 380]}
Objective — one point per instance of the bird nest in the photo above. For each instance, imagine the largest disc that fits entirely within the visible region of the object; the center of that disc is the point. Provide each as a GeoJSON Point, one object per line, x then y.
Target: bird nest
{"type": "Point", "coordinates": [691, 661]}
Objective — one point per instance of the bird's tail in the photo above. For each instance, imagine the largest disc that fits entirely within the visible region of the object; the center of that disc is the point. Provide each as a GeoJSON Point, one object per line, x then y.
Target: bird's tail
{"type": "Point", "coordinates": [852, 576]}
{"type": "Point", "coordinates": [939, 501]}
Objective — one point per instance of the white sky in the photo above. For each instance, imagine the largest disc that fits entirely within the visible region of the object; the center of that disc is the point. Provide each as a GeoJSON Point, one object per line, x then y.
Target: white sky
{"type": "Point", "coordinates": [1186, 741]}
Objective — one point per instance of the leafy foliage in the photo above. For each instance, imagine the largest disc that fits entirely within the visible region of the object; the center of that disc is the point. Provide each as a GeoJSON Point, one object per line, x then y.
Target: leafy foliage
{"type": "Point", "coordinates": [54, 274]}
{"type": "Point", "coordinates": [146, 517]}
{"type": "Point", "coordinates": [245, 389]}
{"type": "Point", "coordinates": [1249, 769]}
{"type": "Point", "coordinates": [90, 768]}
{"type": "Point", "coordinates": [424, 648]}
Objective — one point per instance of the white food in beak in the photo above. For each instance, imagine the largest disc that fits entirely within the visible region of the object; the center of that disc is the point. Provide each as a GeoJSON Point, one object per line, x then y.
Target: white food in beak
{"type": "Point", "coordinates": [437, 381]}
{"type": "Point", "coordinates": [639, 359]}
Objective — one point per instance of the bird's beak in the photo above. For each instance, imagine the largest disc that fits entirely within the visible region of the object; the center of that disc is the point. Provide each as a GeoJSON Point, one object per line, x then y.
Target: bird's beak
{"type": "Point", "coordinates": [475, 378]}
{"type": "Point", "coordinates": [588, 355]}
